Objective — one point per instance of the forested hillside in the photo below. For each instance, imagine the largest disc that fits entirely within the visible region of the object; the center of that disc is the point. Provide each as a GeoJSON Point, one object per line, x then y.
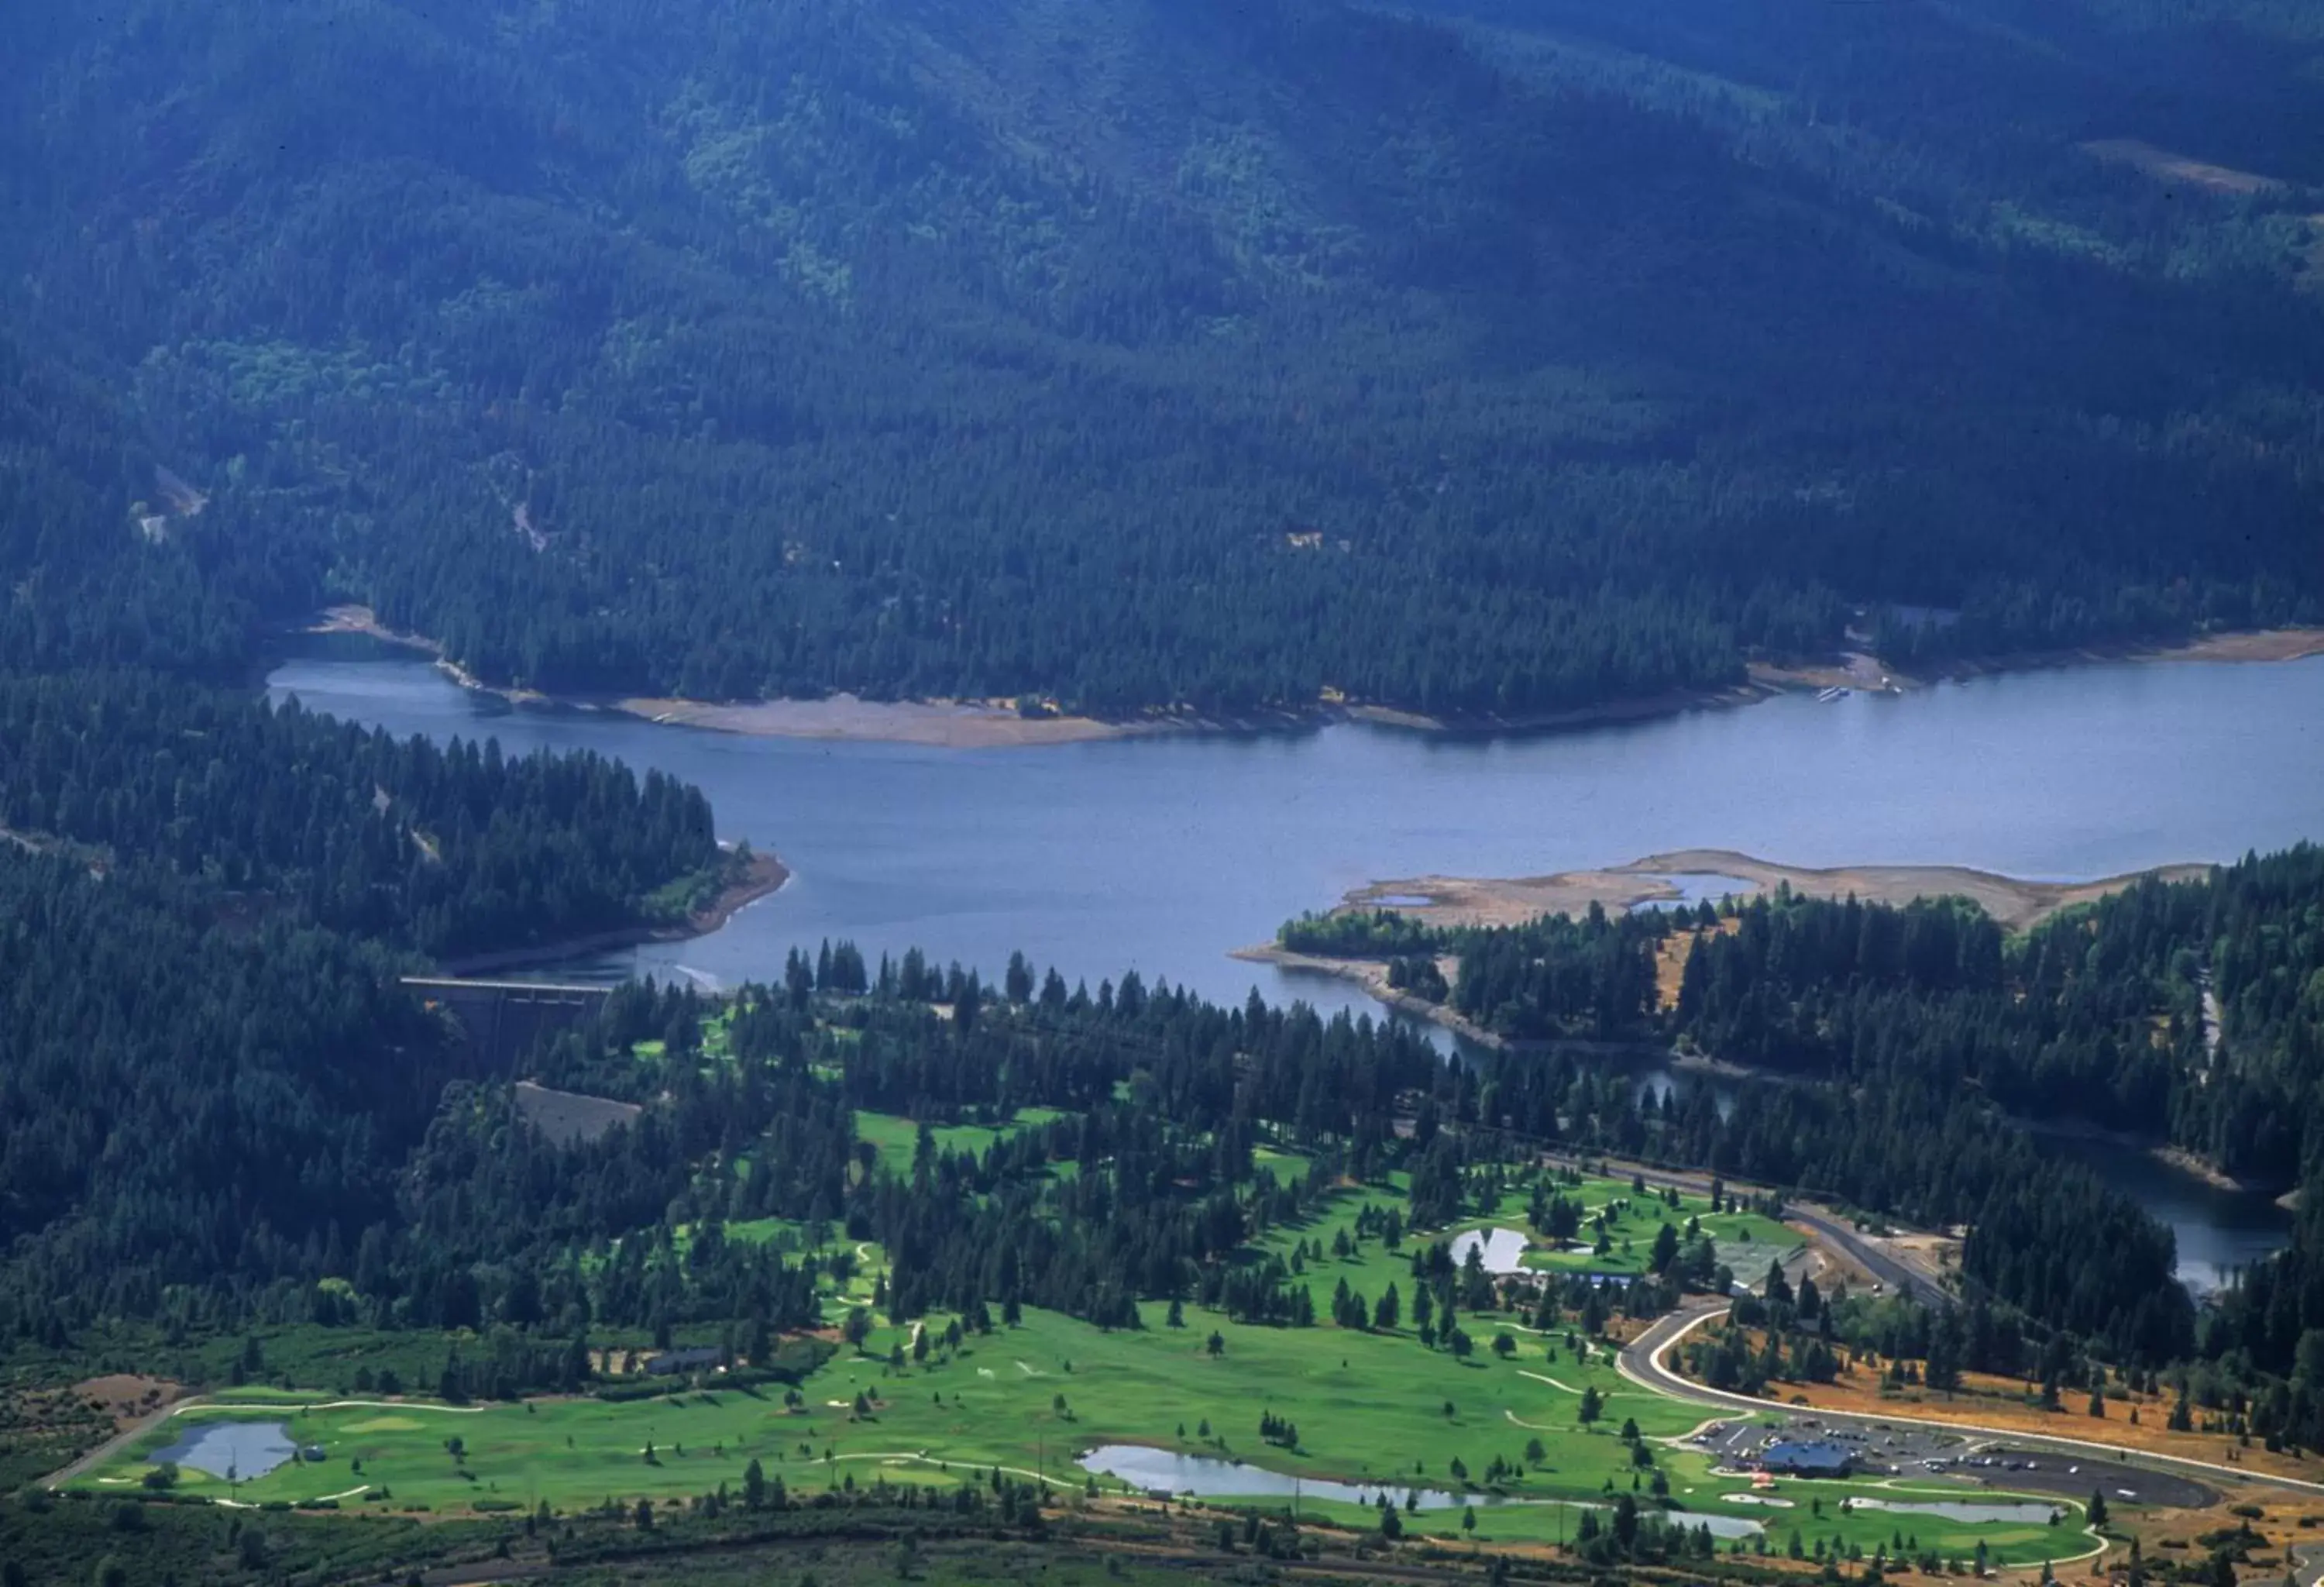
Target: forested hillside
{"type": "Point", "coordinates": [450, 851]}
{"type": "Point", "coordinates": [1911, 1037]}
{"type": "Point", "coordinates": [2098, 1014]}
{"type": "Point", "coordinates": [209, 1075]}
{"type": "Point", "coordinates": [1137, 353]}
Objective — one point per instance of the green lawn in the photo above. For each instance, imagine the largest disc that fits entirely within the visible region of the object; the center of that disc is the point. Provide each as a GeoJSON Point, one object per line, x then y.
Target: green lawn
{"type": "Point", "coordinates": [897, 1136]}
{"type": "Point", "coordinates": [1746, 1241]}
{"type": "Point", "coordinates": [1369, 1407]}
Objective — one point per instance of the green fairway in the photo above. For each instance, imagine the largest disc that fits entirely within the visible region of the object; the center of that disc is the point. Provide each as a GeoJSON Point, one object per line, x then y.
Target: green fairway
{"type": "Point", "coordinates": [1369, 1407]}
{"type": "Point", "coordinates": [1619, 1226]}
{"type": "Point", "coordinates": [1500, 1429]}
{"type": "Point", "coordinates": [896, 1137]}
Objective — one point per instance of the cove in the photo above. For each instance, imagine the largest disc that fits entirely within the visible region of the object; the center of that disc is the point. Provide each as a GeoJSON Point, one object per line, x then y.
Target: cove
{"type": "Point", "coordinates": [1162, 854]}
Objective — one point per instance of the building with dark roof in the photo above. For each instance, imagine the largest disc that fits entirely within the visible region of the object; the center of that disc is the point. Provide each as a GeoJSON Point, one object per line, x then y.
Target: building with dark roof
{"type": "Point", "coordinates": [672, 1362]}
{"type": "Point", "coordinates": [1817, 1457]}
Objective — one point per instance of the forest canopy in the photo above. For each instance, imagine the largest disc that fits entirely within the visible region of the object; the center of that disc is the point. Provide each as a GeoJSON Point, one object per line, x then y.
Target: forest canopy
{"type": "Point", "coordinates": [1129, 354]}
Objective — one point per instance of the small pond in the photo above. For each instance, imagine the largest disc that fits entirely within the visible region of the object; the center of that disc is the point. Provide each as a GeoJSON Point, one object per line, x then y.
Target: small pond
{"type": "Point", "coordinates": [1696, 887]}
{"type": "Point", "coordinates": [239, 1450]}
{"type": "Point", "coordinates": [1498, 1249]}
{"type": "Point", "coordinates": [2024, 1514]}
{"type": "Point", "coordinates": [1159, 1470]}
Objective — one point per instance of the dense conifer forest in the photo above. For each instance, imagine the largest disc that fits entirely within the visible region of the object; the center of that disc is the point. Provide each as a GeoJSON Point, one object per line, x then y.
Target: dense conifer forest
{"type": "Point", "coordinates": [1487, 359]}
{"type": "Point", "coordinates": [1907, 1038]}
{"type": "Point", "coordinates": [1468, 356]}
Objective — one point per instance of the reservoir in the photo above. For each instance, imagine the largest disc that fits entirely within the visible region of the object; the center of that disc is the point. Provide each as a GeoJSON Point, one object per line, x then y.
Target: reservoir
{"type": "Point", "coordinates": [1162, 854]}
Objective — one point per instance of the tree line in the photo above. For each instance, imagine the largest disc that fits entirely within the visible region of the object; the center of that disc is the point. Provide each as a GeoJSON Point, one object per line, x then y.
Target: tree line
{"type": "Point", "coordinates": [878, 398]}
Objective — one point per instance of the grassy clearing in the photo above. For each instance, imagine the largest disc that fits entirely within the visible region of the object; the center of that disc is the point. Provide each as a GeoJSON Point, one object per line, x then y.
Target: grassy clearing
{"type": "Point", "coordinates": [1369, 1407]}
{"type": "Point", "coordinates": [1355, 1397]}
{"type": "Point", "coordinates": [897, 1136]}
{"type": "Point", "coordinates": [1745, 1240]}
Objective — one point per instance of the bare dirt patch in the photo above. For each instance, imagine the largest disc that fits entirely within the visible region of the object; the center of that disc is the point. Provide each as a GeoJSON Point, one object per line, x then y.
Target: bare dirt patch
{"type": "Point", "coordinates": [2167, 167]}
{"type": "Point", "coordinates": [567, 1116]}
{"type": "Point", "coordinates": [940, 724]}
{"type": "Point", "coordinates": [1469, 900]}
{"type": "Point", "coordinates": [1670, 963]}
{"type": "Point", "coordinates": [1455, 901]}
{"type": "Point", "coordinates": [1855, 669]}
{"type": "Point", "coordinates": [2008, 1404]}
{"type": "Point", "coordinates": [2266, 644]}
{"type": "Point", "coordinates": [2016, 903]}
{"type": "Point", "coordinates": [126, 1398]}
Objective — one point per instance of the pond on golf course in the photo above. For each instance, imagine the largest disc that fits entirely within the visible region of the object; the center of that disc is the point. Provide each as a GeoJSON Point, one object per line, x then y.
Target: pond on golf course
{"type": "Point", "coordinates": [1158, 1470]}
{"type": "Point", "coordinates": [1498, 1249]}
{"type": "Point", "coordinates": [2021, 1513]}
{"type": "Point", "coordinates": [236, 1450]}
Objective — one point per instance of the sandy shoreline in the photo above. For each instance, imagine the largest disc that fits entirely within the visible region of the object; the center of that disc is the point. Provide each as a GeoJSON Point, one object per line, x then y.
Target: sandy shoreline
{"type": "Point", "coordinates": [1469, 900]}
{"type": "Point", "coordinates": [761, 878]}
{"type": "Point", "coordinates": [941, 724]}
{"type": "Point", "coordinates": [1450, 902]}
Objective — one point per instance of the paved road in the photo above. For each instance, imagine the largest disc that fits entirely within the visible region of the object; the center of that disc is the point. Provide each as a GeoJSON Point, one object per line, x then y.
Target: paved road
{"type": "Point", "coordinates": [1841, 1236]}
{"type": "Point", "coordinates": [102, 1452]}
{"type": "Point", "coordinates": [1891, 1272]}
{"type": "Point", "coordinates": [1641, 1361]}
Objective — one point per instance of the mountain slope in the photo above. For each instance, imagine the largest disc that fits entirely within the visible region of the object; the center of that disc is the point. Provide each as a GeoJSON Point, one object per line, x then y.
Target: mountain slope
{"type": "Point", "coordinates": [1140, 354]}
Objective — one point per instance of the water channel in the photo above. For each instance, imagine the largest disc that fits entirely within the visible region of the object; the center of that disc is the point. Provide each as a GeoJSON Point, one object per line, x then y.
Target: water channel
{"type": "Point", "coordinates": [1163, 853]}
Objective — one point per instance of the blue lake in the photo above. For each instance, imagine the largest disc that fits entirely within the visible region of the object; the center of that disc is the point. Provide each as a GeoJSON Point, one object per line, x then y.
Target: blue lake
{"type": "Point", "coordinates": [1164, 853]}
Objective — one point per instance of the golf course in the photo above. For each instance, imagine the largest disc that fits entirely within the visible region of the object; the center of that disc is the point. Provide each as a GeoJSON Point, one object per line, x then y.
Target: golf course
{"type": "Point", "coordinates": [1514, 1436]}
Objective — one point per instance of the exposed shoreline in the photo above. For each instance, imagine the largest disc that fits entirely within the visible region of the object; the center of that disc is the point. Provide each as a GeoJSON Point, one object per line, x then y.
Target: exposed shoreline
{"type": "Point", "coordinates": [1468, 900]}
{"type": "Point", "coordinates": [763, 877]}
{"type": "Point", "coordinates": [1372, 975]}
{"type": "Point", "coordinates": [2176, 1157]}
{"type": "Point", "coordinates": [944, 724]}
{"type": "Point", "coordinates": [1451, 901]}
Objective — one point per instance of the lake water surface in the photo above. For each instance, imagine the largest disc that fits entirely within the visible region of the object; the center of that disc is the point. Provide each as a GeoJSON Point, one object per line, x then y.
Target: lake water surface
{"type": "Point", "coordinates": [1163, 853]}
{"type": "Point", "coordinates": [1161, 1471]}
{"type": "Point", "coordinates": [242, 1450]}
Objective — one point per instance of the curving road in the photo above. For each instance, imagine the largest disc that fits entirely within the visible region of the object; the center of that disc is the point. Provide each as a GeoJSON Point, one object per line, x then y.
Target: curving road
{"type": "Point", "coordinates": [1891, 1272]}
{"type": "Point", "coordinates": [1641, 1361]}
{"type": "Point", "coordinates": [1832, 1232]}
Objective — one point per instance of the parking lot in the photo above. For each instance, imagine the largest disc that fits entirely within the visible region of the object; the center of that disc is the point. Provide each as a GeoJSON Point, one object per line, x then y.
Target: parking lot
{"type": "Point", "coordinates": [1880, 1451]}
{"type": "Point", "coordinates": [1901, 1450]}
